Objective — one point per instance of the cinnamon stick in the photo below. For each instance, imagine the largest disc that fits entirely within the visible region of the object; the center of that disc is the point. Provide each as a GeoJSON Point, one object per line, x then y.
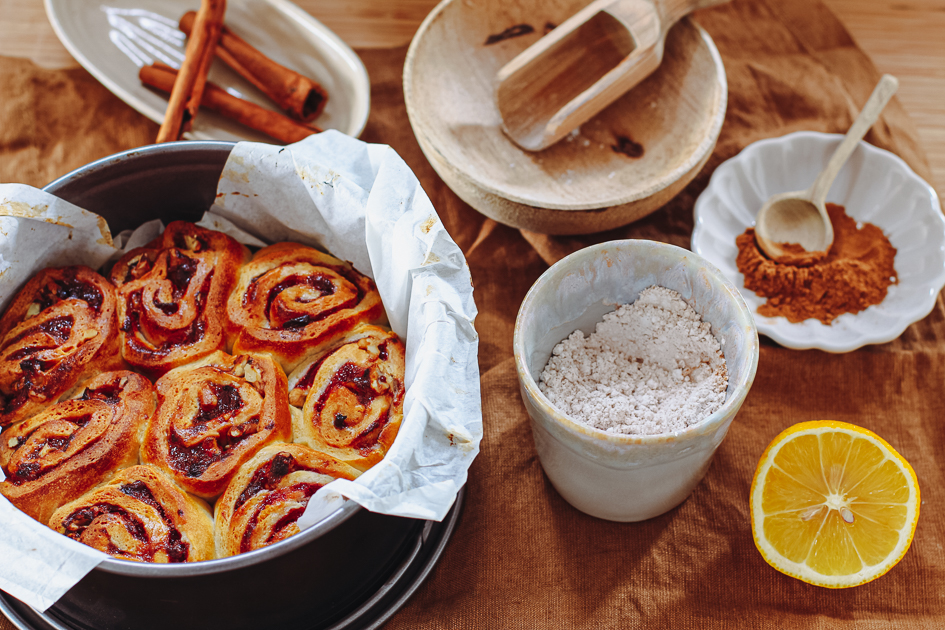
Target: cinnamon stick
{"type": "Point", "coordinates": [187, 91]}
{"type": "Point", "coordinates": [274, 124]}
{"type": "Point", "coordinates": [296, 94]}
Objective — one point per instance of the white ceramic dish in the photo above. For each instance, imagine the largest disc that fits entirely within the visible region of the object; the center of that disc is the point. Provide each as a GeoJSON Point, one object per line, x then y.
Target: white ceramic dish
{"type": "Point", "coordinates": [627, 477]}
{"type": "Point", "coordinates": [113, 38]}
{"type": "Point", "coordinates": [874, 186]}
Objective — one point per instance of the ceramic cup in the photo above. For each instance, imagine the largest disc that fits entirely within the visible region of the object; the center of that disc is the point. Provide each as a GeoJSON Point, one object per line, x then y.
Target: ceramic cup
{"type": "Point", "coordinates": [623, 477]}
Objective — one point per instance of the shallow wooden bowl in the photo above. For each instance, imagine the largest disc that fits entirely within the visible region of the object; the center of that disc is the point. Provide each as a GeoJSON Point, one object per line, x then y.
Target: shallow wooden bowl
{"type": "Point", "coordinates": [620, 166]}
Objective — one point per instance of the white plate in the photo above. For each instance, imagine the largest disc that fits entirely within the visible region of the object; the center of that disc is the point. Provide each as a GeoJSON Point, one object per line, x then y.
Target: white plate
{"type": "Point", "coordinates": [874, 186]}
{"type": "Point", "coordinates": [113, 38]}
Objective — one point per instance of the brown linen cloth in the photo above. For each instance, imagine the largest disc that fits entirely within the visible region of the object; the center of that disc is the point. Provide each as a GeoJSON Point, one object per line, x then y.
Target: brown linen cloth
{"type": "Point", "coordinates": [521, 556]}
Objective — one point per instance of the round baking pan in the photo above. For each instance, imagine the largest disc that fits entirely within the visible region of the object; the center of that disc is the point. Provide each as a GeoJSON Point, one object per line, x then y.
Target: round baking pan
{"type": "Point", "coordinates": [349, 570]}
{"type": "Point", "coordinates": [371, 613]}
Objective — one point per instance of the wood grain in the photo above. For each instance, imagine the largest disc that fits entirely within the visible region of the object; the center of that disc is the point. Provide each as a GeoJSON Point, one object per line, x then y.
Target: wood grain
{"type": "Point", "coordinates": [628, 161]}
{"type": "Point", "coordinates": [903, 37]}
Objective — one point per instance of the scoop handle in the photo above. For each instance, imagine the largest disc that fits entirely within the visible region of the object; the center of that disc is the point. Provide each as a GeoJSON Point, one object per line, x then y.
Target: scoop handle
{"type": "Point", "coordinates": [883, 91]}
{"type": "Point", "coordinates": [671, 11]}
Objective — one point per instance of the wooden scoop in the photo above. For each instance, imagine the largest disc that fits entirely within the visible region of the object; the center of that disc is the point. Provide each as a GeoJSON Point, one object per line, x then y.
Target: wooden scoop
{"type": "Point", "coordinates": [800, 218]}
{"type": "Point", "coordinates": [584, 65]}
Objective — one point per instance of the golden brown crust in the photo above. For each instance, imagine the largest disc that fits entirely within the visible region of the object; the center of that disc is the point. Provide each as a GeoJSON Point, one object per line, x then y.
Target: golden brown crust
{"type": "Point", "coordinates": [213, 415]}
{"type": "Point", "coordinates": [172, 295]}
{"type": "Point", "coordinates": [59, 329]}
{"type": "Point", "coordinates": [268, 495]}
{"type": "Point", "coordinates": [213, 423]}
{"type": "Point", "coordinates": [56, 456]}
{"type": "Point", "coordinates": [141, 515]}
{"type": "Point", "coordinates": [353, 397]}
{"type": "Point", "coordinates": [291, 299]}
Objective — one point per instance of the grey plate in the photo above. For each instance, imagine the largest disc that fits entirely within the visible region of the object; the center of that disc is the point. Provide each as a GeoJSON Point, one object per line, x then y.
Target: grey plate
{"type": "Point", "coordinates": [369, 614]}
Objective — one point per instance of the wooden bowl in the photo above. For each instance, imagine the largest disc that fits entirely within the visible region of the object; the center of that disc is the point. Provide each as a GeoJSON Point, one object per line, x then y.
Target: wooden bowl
{"type": "Point", "coordinates": [618, 167]}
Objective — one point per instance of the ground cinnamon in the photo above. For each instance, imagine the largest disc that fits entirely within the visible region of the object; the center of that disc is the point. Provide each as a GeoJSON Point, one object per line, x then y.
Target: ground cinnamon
{"type": "Point", "coordinates": [855, 274]}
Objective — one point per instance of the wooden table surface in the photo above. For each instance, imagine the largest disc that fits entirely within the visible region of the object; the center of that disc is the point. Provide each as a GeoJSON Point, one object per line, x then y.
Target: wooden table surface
{"type": "Point", "coordinates": [903, 37]}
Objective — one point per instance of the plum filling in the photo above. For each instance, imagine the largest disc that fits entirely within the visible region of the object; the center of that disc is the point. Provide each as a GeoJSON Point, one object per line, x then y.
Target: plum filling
{"type": "Point", "coordinates": [185, 336]}
{"type": "Point", "coordinates": [306, 490]}
{"type": "Point", "coordinates": [358, 381]}
{"type": "Point", "coordinates": [33, 468]}
{"type": "Point", "coordinates": [180, 270]}
{"type": "Point", "coordinates": [107, 392]}
{"type": "Point", "coordinates": [70, 288]}
{"type": "Point", "coordinates": [320, 283]}
{"type": "Point", "coordinates": [267, 477]}
{"type": "Point", "coordinates": [175, 547]}
{"type": "Point", "coordinates": [193, 461]}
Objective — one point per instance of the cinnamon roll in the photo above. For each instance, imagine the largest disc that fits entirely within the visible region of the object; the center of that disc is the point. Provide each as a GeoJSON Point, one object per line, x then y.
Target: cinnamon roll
{"type": "Point", "coordinates": [59, 454]}
{"type": "Point", "coordinates": [172, 294]}
{"type": "Point", "coordinates": [213, 415]}
{"type": "Point", "coordinates": [59, 329]}
{"type": "Point", "coordinates": [353, 397]}
{"type": "Point", "coordinates": [142, 515]}
{"type": "Point", "coordinates": [290, 299]}
{"type": "Point", "coordinates": [263, 503]}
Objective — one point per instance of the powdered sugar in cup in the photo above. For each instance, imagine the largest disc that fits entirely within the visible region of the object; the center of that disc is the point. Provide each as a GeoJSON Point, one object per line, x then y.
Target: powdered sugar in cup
{"type": "Point", "coordinates": [649, 367]}
{"type": "Point", "coordinates": [633, 473]}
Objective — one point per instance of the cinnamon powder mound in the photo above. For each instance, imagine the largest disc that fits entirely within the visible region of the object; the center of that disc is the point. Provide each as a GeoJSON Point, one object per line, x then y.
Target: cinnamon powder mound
{"type": "Point", "coordinates": [855, 274]}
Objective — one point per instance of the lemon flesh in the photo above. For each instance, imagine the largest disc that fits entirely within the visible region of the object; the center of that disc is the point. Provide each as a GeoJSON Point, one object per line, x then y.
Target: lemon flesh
{"type": "Point", "coordinates": [833, 504]}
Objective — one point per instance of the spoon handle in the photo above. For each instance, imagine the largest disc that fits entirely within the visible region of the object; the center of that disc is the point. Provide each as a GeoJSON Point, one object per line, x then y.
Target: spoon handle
{"type": "Point", "coordinates": [672, 11]}
{"type": "Point", "coordinates": [881, 94]}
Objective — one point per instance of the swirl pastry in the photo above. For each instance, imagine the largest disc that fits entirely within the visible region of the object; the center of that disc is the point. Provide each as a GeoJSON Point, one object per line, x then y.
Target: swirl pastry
{"type": "Point", "coordinates": [140, 514]}
{"type": "Point", "coordinates": [213, 415]}
{"type": "Point", "coordinates": [290, 299]}
{"type": "Point", "coordinates": [59, 329]}
{"type": "Point", "coordinates": [56, 456]}
{"type": "Point", "coordinates": [172, 294]}
{"type": "Point", "coordinates": [263, 503]}
{"type": "Point", "coordinates": [353, 397]}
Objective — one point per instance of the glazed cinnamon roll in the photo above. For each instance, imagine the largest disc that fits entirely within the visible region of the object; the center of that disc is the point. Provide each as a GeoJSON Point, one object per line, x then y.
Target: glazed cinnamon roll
{"type": "Point", "coordinates": [59, 454]}
{"type": "Point", "coordinates": [353, 397]}
{"type": "Point", "coordinates": [263, 503]}
{"type": "Point", "coordinates": [59, 329]}
{"type": "Point", "coordinates": [172, 294]}
{"type": "Point", "coordinates": [213, 415]}
{"type": "Point", "coordinates": [290, 299]}
{"type": "Point", "coordinates": [141, 515]}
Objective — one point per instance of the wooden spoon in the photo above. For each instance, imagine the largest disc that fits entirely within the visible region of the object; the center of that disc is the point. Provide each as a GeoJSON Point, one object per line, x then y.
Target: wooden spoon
{"type": "Point", "coordinates": [584, 65]}
{"type": "Point", "coordinates": [800, 217]}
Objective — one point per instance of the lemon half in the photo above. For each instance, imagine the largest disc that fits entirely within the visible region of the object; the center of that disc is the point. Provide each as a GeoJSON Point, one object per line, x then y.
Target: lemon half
{"type": "Point", "coordinates": [833, 504]}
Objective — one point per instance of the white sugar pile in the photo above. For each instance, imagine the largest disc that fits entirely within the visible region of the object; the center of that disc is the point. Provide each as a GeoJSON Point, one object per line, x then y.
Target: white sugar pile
{"type": "Point", "coordinates": [650, 367]}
